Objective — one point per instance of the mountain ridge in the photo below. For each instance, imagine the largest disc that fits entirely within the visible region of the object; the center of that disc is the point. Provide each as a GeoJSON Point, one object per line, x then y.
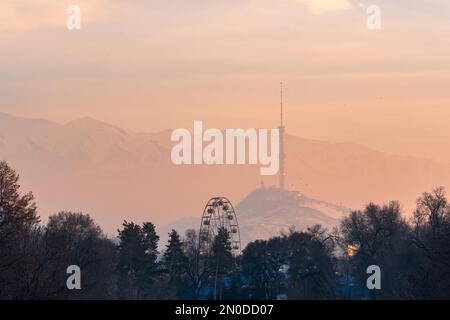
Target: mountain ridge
{"type": "Point", "coordinates": [116, 174]}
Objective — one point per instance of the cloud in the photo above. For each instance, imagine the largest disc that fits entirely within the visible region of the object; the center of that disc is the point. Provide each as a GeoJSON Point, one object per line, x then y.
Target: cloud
{"type": "Point", "coordinates": [320, 6]}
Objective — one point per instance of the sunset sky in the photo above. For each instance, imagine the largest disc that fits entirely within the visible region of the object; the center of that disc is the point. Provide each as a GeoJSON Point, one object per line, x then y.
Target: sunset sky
{"type": "Point", "coordinates": [159, 64]}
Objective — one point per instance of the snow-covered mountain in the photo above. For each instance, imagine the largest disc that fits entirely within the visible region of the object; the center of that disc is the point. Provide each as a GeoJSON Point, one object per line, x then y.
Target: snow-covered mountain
{"type": "Point", "coordinates": [267, 212]}
{"type": "Point", "coordinates": [80, 141]}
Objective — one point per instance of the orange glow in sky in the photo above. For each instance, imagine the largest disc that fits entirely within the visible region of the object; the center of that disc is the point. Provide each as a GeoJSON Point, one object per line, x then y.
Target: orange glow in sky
{"type": "Point", "coordinates": [154, 65]}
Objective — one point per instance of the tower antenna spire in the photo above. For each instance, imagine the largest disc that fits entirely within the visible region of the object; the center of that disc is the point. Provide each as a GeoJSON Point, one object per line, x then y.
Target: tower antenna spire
{"type": "Point", "coordinates": [281, 103]}
{"type": "Point", "coordinates": [281, 129]}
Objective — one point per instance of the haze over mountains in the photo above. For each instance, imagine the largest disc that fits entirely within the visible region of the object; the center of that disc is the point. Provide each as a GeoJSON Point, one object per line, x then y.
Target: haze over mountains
{"type": "Point", "coordinates": [90, 166]}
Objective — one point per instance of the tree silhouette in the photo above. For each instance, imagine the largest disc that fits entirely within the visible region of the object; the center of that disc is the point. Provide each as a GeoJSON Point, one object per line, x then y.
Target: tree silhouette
{"type": "Point", "coordinates": [19, 231]}
{"type": "Point", "coordinates": [414, 256]}
{"type": "Point", "coordinates": [431, 236]}
{"type": "Point", "coordinates": [379, 236]}
{"type": "Point", "coordinates": [198, 267]}
{"type": "Point", "coordinates": [222, 260]}
{"type": "Point", "coordinates": [74, 239]}
{"type": "Point", "coordinates": [175, 263]}
{"type": "Point", "coordinates": [311, 265]}
{"type": "Point", "coordinates": [137, 264]}
{"type": "Point", "coordinates": [260, 269]}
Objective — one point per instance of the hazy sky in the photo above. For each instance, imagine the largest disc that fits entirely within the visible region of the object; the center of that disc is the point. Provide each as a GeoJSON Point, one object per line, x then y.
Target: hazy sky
{"type": "Point", "coordinates": [152, 65]}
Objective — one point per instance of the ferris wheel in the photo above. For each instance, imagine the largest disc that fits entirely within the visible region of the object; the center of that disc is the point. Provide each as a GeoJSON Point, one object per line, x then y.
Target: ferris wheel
{"type": "Point", "coordinates": [219, 213]}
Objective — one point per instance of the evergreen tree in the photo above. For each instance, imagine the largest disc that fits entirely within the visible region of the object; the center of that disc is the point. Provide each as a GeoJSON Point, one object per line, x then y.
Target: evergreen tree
{"type": "Point", "coordinates": [137, 264]}
{"type": "Point", "coordinates": [19, 231]}
{"type": "Point", "coordinates": [222, 260]}
{"type": "Point", "coordinates": [149, 268]}
{"type": "Point", "coordinates": [175, 262]}
{"type": "Point", "coordinates": [17, 212]}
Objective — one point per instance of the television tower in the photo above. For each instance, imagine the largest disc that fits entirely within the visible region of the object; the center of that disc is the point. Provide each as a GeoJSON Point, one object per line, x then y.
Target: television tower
{"type": "Point", "coordinates": [281, 173]}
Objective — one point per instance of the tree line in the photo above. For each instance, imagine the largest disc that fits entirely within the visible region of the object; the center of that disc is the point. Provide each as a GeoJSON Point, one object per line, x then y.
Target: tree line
{"type": "Point", "coordinates": [413, 256]}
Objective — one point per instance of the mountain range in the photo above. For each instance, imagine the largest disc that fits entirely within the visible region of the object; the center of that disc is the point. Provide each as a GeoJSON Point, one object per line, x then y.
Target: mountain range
{"type": "Point", "coordinates": [115, 175]}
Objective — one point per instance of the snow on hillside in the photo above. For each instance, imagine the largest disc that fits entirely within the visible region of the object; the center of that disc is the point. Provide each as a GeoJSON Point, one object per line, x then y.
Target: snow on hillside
{"type": "Point", "coordinates": [267, 212]}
